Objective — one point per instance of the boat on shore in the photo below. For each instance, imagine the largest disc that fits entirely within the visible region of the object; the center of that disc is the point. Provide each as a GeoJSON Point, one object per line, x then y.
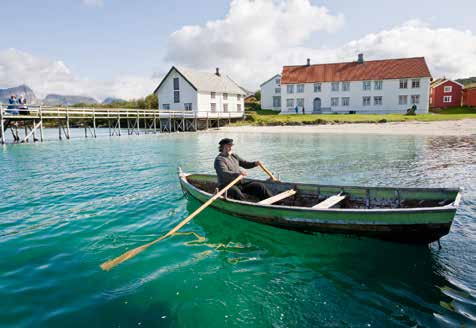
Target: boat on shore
{"type": "Point", "coordinates": [409, 215]}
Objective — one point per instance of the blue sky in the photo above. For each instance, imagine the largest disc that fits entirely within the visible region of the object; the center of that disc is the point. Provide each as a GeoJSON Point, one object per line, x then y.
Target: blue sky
{"type": "Point", "coordinates": [105, 47]}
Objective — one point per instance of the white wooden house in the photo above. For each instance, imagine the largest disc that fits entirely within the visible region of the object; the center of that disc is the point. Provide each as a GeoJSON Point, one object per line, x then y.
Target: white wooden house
{"type": "Point", "coordinates": [183, 89]}
{"type": "Point", "coordinates": [271, 93]}
{"type": "Point", "coordinates": [376, 86]}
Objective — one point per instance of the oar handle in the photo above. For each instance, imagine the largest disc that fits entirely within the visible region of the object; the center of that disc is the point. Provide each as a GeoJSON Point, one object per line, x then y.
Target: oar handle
{"type": "Point", "coordinates": [267, 171]}
{"type": "Point", "coordinates": [108, 265]}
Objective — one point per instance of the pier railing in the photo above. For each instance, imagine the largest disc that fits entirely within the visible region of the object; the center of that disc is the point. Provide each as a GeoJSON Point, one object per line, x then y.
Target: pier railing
{"type": "Point", "coordinates": [136, 120]}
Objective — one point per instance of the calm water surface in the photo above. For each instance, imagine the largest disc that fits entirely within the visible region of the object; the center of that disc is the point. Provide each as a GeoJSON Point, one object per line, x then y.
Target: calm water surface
{"type": "Point", "coordinates": [68, 206]}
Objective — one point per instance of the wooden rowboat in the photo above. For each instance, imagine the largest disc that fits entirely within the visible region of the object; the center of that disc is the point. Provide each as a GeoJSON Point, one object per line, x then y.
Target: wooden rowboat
{"type": "Point", "coordinates": [411, 215]}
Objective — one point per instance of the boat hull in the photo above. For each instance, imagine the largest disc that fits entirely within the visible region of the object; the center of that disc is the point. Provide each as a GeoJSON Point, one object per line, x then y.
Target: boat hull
{"type": "Point", "coordinates": [417, 226]}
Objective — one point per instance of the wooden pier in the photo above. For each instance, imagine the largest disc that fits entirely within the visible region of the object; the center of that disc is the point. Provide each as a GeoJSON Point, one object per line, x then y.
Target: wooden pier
{"type": "Point", "coordinates": [28, 126]}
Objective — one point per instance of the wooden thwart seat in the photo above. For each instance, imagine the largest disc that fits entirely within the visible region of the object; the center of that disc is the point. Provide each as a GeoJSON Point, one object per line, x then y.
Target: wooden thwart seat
{"type": "Point", "coordinates": [331, 201]}
{"type": "Point", "coordinates": [278, 197]}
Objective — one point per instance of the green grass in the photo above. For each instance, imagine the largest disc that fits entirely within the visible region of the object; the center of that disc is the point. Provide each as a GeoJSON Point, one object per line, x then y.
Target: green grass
{"type": "Point", "coordinates": [269, 117]}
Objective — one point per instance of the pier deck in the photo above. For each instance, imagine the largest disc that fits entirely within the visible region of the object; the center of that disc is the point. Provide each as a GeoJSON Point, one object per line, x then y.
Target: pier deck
{"type": "Point", "coordinates": [32, 121]}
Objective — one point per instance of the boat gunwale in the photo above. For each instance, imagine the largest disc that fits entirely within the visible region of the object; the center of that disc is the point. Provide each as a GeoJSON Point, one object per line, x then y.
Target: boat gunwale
{"type": "Point", "coordinates": [445, 208]}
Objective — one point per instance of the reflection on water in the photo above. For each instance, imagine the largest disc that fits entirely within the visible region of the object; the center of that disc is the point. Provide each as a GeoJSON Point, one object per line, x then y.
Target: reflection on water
{"type": "Point", "coordinates": [68, 206]}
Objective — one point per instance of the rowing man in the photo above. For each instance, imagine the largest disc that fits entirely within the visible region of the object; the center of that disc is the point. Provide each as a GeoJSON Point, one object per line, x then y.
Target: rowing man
{"type": "Point", "coordinates": [227, 166]}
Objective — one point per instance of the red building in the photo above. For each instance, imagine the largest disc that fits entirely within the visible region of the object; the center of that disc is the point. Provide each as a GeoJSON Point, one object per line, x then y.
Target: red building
{"type": "Point", "coordinates": [469, 95]}
{"type": "Point", "coordinates": [445, 93]}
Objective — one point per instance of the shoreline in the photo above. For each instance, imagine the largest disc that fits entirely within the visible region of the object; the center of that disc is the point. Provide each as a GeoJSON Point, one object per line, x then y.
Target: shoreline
{"type": "Point", "coordinates": [465, 127]}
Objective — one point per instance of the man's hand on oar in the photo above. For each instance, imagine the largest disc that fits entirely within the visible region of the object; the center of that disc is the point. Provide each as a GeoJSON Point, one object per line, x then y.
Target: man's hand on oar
{"type": "Point", "coordinates": [272, 177]}
{"type": "Point", "coordinates": [108, 265]}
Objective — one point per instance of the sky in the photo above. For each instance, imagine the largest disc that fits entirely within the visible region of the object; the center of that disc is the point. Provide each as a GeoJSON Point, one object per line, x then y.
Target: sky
{"type": "Point", "coordinates": [122, 48]}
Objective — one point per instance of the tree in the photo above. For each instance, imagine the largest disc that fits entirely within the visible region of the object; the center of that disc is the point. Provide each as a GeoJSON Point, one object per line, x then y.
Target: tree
{"type": "Point", "coordinates": [258, 95]}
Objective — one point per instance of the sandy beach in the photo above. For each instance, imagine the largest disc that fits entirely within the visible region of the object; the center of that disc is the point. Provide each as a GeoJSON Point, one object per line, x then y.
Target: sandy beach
{"type": "Point", "coordinates": [464, 127]}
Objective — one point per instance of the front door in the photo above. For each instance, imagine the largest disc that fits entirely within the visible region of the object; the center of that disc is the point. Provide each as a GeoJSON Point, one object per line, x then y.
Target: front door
{"type": "Point", "coordinates": [317, 105]}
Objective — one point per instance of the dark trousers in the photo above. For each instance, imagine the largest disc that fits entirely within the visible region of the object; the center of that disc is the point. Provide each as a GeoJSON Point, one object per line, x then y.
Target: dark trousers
{"type": "Point", "coordinates": [256, 189]}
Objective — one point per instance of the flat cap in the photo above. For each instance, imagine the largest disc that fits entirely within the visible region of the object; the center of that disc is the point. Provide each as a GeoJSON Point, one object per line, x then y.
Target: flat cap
{"type": "Point", "coordinates": [226, 141]}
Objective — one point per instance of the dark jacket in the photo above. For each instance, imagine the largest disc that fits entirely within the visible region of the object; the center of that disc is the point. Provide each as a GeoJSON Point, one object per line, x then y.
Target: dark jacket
{"type": "Point", "coordinates": [228, 168]}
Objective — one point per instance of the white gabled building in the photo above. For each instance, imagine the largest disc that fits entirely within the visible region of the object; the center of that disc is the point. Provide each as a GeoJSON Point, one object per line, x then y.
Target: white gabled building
{"type": "Point", "coordinates": [188, 90]}
{"type": "Point", "coordinates": [271, 93]}
{"type": "Point", "coordinates": [375, 86]}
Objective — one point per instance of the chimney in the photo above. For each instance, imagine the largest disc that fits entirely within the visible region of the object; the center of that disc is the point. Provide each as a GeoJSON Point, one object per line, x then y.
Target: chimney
{"type": "Point", "coordinates": [360, 59]}
{"type": "Point", "coordinates": [308, 62]}
{"type": "Point", "coordinates": [217, 73]}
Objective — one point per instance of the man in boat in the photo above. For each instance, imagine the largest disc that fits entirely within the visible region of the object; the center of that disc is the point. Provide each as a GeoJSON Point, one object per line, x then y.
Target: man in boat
{"type": "Point", "coordinates": [227, 166]}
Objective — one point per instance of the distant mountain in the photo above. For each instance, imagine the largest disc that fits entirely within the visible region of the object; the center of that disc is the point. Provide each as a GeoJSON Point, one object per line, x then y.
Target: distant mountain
{"type": "Point", "coordinates": [467, 81]}
{"type": "Point", "coordinates": [22, 90]}
{"type": "Point", "coordinates": [110, 100]}
{"type": "Point", "coordinates": [58, 100]}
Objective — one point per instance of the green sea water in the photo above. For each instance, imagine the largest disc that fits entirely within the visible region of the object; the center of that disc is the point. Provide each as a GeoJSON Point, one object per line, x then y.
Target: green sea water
{"type": "Point", "coordinates": [66, 207]}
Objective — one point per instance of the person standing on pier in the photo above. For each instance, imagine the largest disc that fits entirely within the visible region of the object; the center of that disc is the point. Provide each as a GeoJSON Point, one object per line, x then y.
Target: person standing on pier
{"type": "Point", "coordinates": [23, 106]}
{"type": "Point", "coordinates": [12, 105]}
{"type": "Point", "coordinates": [227, 165]}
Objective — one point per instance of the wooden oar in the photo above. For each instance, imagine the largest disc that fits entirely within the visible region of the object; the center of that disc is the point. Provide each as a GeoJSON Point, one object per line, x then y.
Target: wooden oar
{"type": "Point", "coordinates": [108, 265]}
{"type": "Point", "coordinates": [268, 172]}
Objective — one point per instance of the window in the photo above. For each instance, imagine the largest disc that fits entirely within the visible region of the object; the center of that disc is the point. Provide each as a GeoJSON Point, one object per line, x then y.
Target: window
{"type": "Point", "coordinates": [447, 99]}
{"type": "Point", "coordinates": [213, 95]}
{"type": "Point", "coordinates": [403, 84]}
{"type": "Point", "coordinates": [334, 101]}
{"type": "Point", "coordinates": [176, 83]}
{"type": "Point", "coordinates": [377, 100]}
{"type": "Point", "coordinates": [415, 99]}
{"type": "Point", "coordinates": [289, 102]}
{"type": "Point", "coordinates": [415, 83]}
{"type": "Point", "coordinates": [213, 107]}
{"type": "Point", "coordinates": [278, 81]}
{"type": "Point", "coordinates": [366, 101]}
{"type": "Point", "coordinates": [366, 85]}
{"type": "Point", "coordinates": [225, 108]}
{"type": "Point", "coordinates": [188, 106]}
{"type": "Point", "coordinates": [176, 96]}
{"type": "Point", "coordinates": [238, 97]}
{"type": "Point", "coordinates": [402, 100]}
{"type": "Point", "coordinates": [300, 102]}
{"type": "Point", "coordinates": [290, 88]}
{"type": "Point", "coordinates": [225, 96]}
{"type": "Point", "coordinates": [317, 87]}
{"type": "Point", "coordinates": [300, 88]}
{"type": "Point", "coordinates": [345, 86]}
{"type": "Point", "coordinates": [448, 88]}
{"type": "Point", "coordinates": [277, 90]}
{"type": "Point", "coordinates": [378, 85]}
{"type": "Point", "coordinates": [165, 106]}
{"type": "Point", "coordinates": [238, 107]}
{"type": "Point", "coordinates": [335, 86]}
{"type": "Point", "coordinates": [276, 101]}
{"type": "Point", "coordinates": [345, 101]}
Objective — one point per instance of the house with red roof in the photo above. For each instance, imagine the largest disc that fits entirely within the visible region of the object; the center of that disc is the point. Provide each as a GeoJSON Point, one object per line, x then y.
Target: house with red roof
{"type": "Point", "coordinates": [374, 86]}
{"type": "Point", "coordinates": [445, 93]}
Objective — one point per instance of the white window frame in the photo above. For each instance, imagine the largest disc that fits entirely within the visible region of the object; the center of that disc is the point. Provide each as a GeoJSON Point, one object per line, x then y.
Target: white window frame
{"type": "Point", "coordinates": [334, 86]}
{"type": "Point", "coordinates": [187, 106]}
{"type": "Point", "coordinates": [379, 102]}
{"type": "Point", "coordinates": [334, 101]}
{"type": "Point", "coordinates": [213, 107]}
{"type": "Point", "coordinates": [415, 99]}
{"type": "Point", "coordinates": [225, 108]}
{"type": "Point", "coordinates": [238, 107]}
{"type": "Point", "coordinates": [176, 96]}
{"type": "Point", "coordinates": [415, 83]}
{"type": "Point", "coordinates": [300, 88]}
{"type": "Point", "coordinates": [290, 103]}
{"type": "Point", "coordinates": [278, 81]}
{"type": "Point", "coordinates": [402, 99]}
{"type": "Point", "coordinates": [225, 96]}
{"type": "Point", "coordinates": [366, 85]}
{"type": "Point", "coordinates": [403, 84]}
{"type": "Point", "coordinates": [238, 97]}
{"type": "Point", "coordinates": [300, 102]}
{"type": "Point", "coordinates": [317, 87]}
{"type": "Point", "coordinates": [213, 95]}
{"type": "Point", "coordinates": [277, 90]}
{"type": "Point", "coordinates": [447, 99]}
{"type": "Point", "coordinates": [378, 85]}
{"type": "Point", "coordinates": [448, 89]}
{"type": "Point", "coordinates": [366, 100]}
{"type": "Point", "coordinates": [345, 101]}
{"type": "Point", "coordinates": [165, 106]}
{"type": "Point", "coordinates": [290, 88]}
{"type": "Point", "coordinates": [346, 86]}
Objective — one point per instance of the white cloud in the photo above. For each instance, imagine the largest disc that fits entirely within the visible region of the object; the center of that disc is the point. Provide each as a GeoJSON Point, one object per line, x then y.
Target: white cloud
{"type": "Point", "coordinates": [47, 76]}
{"type": "Point", "coordinates": [93, 3]}
{"type": "Point", "coordinates": [256, 38]}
